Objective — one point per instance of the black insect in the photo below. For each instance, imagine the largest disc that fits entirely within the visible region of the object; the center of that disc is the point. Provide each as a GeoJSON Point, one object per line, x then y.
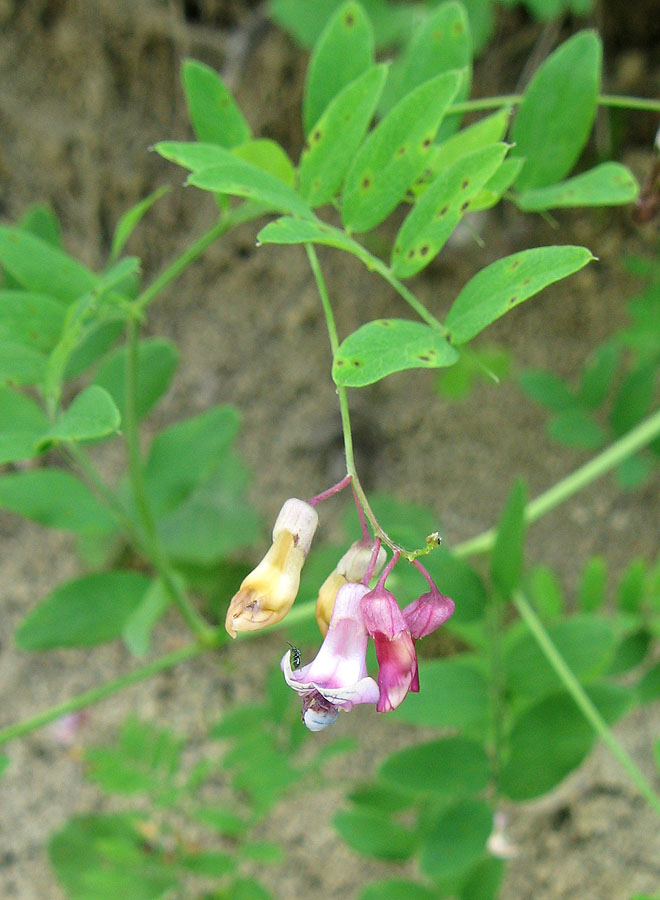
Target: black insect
{"type": "Point", "coordinates": [295, 658]}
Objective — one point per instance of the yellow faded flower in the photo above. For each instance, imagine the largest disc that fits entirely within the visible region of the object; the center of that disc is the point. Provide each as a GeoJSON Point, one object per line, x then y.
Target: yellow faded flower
{"type": "Point", "coordinates": [351, 567]}
{"type": "Point", "coordinates": [267, 593]}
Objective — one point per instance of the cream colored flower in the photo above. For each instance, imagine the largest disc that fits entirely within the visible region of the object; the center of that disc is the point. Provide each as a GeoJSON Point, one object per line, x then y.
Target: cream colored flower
{"type": "Point", "coordinates": [267, 593]}
{"type": "Point", "coordinates": [350, 568]}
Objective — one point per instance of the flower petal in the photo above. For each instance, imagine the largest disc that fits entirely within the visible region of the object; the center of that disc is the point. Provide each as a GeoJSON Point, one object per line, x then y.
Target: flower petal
{"type": "Point", "coordinates": [427, 613]}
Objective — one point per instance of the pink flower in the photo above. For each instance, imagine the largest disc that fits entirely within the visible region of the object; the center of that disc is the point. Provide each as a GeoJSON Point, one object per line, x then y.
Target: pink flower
{"type": "Point", "coordinates": [395, 650]}
{"type": "Point", "coordinates": [337, 678]}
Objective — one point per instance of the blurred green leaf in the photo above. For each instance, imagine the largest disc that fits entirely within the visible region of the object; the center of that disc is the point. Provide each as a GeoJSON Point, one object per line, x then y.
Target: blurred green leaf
{"type": "Point", "coordinates": [395, 153]}
{"type": "Point", "coordinates": [221, 820]}
{"type": "Point", "coordinates": [374, 834]}
{"type": "Point", "coordinates": [551, 738]}
{"type": "Point", "coordinates": [32, 319]}
{"type": "Point", "coordinates": [454, 694]}
{"type": "Point", "coordinates": [585, 642]}
{"type": "Point", "coordinates": [593, 582]}
{"type": "Point", "coordinates": [243, 179]}
{"type": "Point", "coordinates": [647, 689]}
{"type": "Point", "coordinates": [491, 363]}
{"type": "Point", "coordinates": [343, 51]}
{"type": "Point", "coordinates": [598, 374]}
{"type": "Point", "coordinates": [631, 651]}
{"type": "Point", "coordinates": [391, 21]}
{"type": "Point", "coordinates": [131, 219]}
{"type": "Point", "coordinates": [136, 631]}
{"type": "Point", "coordinates": [385, 346]}
{"type": "Point", "coordinates": [213, 112]}
{"type": "Point", "coordinates": [609, 184]}
{"type": "Point", "coordinates": [157, 362]}
{"type": "Point", "coordinates": [555, 117]}
{"type": "Point", "coordinates": [269, 156]}
{"type": "Point", "coordinates": [208, 863]}
{"type": "Point", "coordinates": [630, 590]}
{"type": "Point", "coordinates": [396, 889]}
{"type": "Point", "coordinates": [41, 221]}
{"type": "Point", "coordinates": [40, 267]}
{"type": "Point", "coordinates": [22, 423]}
{"type": "Point", "coordinates": [508, 550]}
{"type": "Point", "coordinates": [54, 498]}
{"type": "Point", "coordinates": [483, 880]}
{"type": "Point", "coordinates": [92, 414]}
{"type": "Point", "coordinates": [504, 284]}
{"type": "Point", "coordinates": [575, 428]}
{"type": "Point", "coordinates": [545, 592]}
{"type": "Point", "coordinates": [100, 857]}
{"type": "Point", "coordinates": [634, 398]}
{"type": "Point", "coordinates": [447, 768]}
{"type": "Point", "coordinates": [83, 612]}
{"type": "Point", "coordinates": [457, 839]}
{"type": "Point", "coordinates": [4, 762]}
{"type": "Point", "coordinates": [547, 389]}
{"type": "Point", "coordinates": [20, 364]}
{"type": "Point", "coordinates": [264, 852]}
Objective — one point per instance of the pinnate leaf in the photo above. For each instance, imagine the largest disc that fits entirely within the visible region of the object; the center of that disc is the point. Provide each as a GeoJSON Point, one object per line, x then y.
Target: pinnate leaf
{"type": "Point", "coordinates": [374, 834]}
{"type": "Point", "coordinates": [447, 768]}
{"type": "Point", "coordinates": [504, 284]}
{"type": "Point", "coordinates": [384, 346]}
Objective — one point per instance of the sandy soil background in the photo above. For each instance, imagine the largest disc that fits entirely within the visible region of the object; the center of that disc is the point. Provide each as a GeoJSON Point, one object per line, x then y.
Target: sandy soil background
{"type": "Point", "coordinates": [85, 89]}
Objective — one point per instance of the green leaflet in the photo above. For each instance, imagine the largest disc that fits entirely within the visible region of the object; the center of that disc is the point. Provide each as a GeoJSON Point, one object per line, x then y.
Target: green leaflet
{"type": "Point", "coordinates": [395, 153]}
{"type": "Point", "coordinates": [20, 364]}
{"type": "Point", "coordinates": [92, 414]}
{"type": "Point", "coordinates": [242, 179]}
{"type": "Point", "coordinates": [31, 319]}
{"type": "Point", "coordinates": [336, 136]}
{"type": "Point", "coordinates": [22, 423]}
{"type": "Point", "coordinates": [40, 267]}
{"type": "Point", "coordinates": [441, 42]}
{"type": "Point", "coordinates": [384, 346]}
{"type": "Point", "coordinates": [53, 498]}
{"type": "Point", "coordinates": [157, 362]}
{"type": "Point", "coordinates": [440, 208]}
{"type": "Point", "coordinates": [286, 230]}
{"type": "Point", "coordinates": [137, 628]}
{"type": "Point", "coordinates": [608, 184]}
{"type": "Point", "coordinates": [555, 117]}
{"type": "Point", "coordinates": [268, 155]}
{"type": "Point", "coordinates": [508, 550]}
{"type": "Point", "coordinates": [374, 834]}
{"type": "Point", "coordinates": [446, 769]}
{"type": "Point", "coordinates": [131, 219]}
{"type": "Point", "coordinates": [456, 840]}
{"type": "Point", "coordinates": [552, 737]}
{"type": "Point", "coordinates": [214, 115]}
{"type": "Point", "coordinates": [83, 612]}
{"type": "Point", "coordinates": [342, 53]}
{"type": "Point", "coordinates": [499, 287]}
{"type": "Point", "coordinates": [488, 130]}
{"type": "Point", "coordinates": [194, 155]}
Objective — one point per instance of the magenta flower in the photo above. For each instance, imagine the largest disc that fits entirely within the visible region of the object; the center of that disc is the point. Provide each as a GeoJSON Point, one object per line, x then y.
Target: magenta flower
{"type": "Point", "coordinates": [337, 678]}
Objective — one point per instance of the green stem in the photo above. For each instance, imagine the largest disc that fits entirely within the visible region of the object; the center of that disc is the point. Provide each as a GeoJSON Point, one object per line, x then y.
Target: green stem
{"type": "Point", "coordinates": [581, 698]}
{"type": "Point", "coordinates": [637, 438]}
{"type": "Point", "coordinates": [246, 212]}
{"type": "Point", "coordinates": [344, 409]}
{"type": "Point", "coordinates": [87, 698]}
{"type": "Point", "coordinates": [612, 100]}
{"type": "Point", "coordinates": [136, 473]}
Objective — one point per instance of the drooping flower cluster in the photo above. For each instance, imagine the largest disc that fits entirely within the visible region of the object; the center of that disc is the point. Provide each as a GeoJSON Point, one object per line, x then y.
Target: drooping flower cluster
{"type": "Point", "coordinates": [348, 613]}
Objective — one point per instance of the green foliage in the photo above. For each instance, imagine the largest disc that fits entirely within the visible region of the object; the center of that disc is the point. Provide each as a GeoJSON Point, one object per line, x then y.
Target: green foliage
{"type": "Point", "coordinates": [616, 388]}
{"type": "Point", "coordinates": [507, 560]}
{"type": "Point", "coordinates": [157, 362]}
{"type": "Point", "coordinates": [214, 114]}
{"type": "Point", "coordinates": [54, 498]}
{"type": "Point", "coordinates": [343, 52]}
{"type": "Point", "coordinates": [555, 117]}
{"type": "Point", "coordinates": [447, 769]}
{"type": "Point", "coordinates": [83, 612]}
{"type": "Point", "coordinates": [92, 414]}
{"type": "Point", "coordinates": [456, 840]}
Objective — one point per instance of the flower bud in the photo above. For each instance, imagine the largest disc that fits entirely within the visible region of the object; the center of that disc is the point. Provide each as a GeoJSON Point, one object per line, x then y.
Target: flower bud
{"type": "Point", "coordinates": [351, 567]}
{"type": "Point", "coordinates": [267, 593]}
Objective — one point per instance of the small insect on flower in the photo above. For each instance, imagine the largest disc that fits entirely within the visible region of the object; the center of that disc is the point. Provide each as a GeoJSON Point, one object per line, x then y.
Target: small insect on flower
{"type": "Point", "coordinates": [295, 657]}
